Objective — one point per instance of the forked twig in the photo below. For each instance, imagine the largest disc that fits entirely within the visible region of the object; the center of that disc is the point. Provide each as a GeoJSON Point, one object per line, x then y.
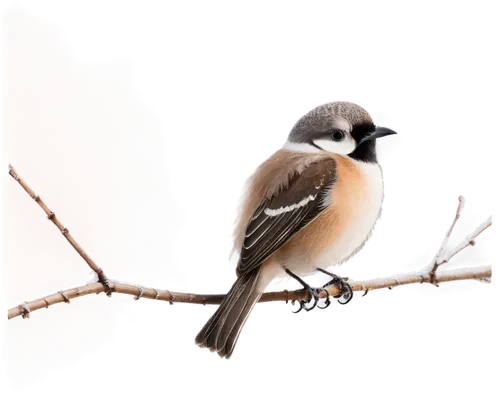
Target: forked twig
{"type": "Point", "coordinates": [437, 259]}
{"type": "Point", "coordinates": [442, 258]}
{"type": "Point", "coordinates": [51, 216]}
{"type": "Point", "coordinates": [428, 274]}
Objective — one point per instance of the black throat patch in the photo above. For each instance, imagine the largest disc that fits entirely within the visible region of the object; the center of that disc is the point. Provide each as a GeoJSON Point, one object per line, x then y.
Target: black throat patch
{"type": "Point", "coordinates": [366, 151]}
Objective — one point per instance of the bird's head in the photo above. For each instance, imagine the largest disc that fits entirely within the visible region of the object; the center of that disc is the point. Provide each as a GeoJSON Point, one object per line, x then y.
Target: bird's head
{"type": "Point", "coordinates": [340, 127]}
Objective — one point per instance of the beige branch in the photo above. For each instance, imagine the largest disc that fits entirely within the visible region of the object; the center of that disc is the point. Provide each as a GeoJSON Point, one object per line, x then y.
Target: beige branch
{"type": "Point", "coordinates": [52, 217]}
{"type": "Point", "coordinates": [427, 275]}
{"type": "Point", "coordinates": [24, 309]}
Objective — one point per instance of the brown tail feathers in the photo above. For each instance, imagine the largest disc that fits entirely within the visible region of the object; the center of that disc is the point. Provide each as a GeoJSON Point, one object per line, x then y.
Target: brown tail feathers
{"type": "Point", "coordinates": [222, 330]}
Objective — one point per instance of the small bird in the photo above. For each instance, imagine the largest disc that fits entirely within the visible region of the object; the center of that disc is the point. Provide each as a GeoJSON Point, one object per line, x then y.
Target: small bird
{"type": "Point", "coordinates": [311, 205]}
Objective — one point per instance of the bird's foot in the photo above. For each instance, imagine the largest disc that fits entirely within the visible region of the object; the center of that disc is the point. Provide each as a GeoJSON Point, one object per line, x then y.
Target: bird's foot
{"type": "Point", "coordinates": [346, 292]}
{"type": "Point", "coordinates": [327, 299]}
{"type": "Point", "coordinates": [296, 307]}
{"type": "Point", "coordinates": [314, 295]}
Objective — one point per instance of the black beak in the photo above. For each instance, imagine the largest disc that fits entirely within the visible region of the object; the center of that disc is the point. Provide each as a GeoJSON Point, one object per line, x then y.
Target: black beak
{"type": "Point", "coordinates": [379, 132]}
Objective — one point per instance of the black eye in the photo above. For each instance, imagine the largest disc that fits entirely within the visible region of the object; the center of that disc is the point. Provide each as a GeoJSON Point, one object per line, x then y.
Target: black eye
{"type": "Point", "coordinates": [337, 136]}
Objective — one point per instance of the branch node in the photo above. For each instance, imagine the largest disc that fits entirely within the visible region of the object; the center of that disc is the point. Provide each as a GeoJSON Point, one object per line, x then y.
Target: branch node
{"type": "Point", "coordinates": [109, 286]}
{"type": "Point", "coordinates": [171, 298]}
{"type": "Point", "coordinates": [46, 302]}
{"type": "Point", "coordinates": [65, 231]}
{"type": "Point", "coordinates": [439, 261]}
{"type": "Point", "coordinates": [472, 242]}
{"type": "Point", "coordinates": [65, 298]}
{"type": "Point", "coordinates": [157, 296]}
{"type": "Point", "coordinates": [36, 197]}
{"type": "Point", "coordinates": [286, 295]}
{"type": "Point", "coordinates": [25, 310]}
{"type": "Point", "coordinates": [428, 277]}
{"type": "Point", "coordinates": [51, 215]}
{"type": "Point", "coordinates": [141, 292]}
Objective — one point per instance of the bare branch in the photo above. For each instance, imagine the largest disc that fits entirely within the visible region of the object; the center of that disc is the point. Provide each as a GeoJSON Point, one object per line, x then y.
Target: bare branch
{"type": "Point", "coordinates": [52, 217]}
{"type": "Point", "coordinates": [24, 309]}
{"type": "Point", "coordinates": [470, 240]}
{"type": "Point", "coordinates": [437, 259]}
{"type": "Point", "coordinates": [461, 205]}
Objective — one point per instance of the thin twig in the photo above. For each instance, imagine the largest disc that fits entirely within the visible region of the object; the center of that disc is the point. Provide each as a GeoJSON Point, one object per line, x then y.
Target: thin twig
{"type": "Point", "coordinates": [461, 205]}
{"type": "Point", "coordinates": [429, 270]}
{"type": "Point", "coordinates": [468, 241]}
{"type": "Point", "coordinates": [52, 217]}
{"type": "Point", "coordinates": [24, 309]}
{"type": "Point", "coordinates": [439, 254]}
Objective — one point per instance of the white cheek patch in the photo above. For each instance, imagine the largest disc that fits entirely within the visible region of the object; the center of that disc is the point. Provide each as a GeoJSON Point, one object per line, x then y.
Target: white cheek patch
{"type": "Point", "coordinates": [345, 146]}
{"type": "Point", "coordinates": [273, 212]}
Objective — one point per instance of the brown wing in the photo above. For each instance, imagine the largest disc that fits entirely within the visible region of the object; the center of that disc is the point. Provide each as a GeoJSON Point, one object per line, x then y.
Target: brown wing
{"type": "Point", "coordinates": [276, 220]}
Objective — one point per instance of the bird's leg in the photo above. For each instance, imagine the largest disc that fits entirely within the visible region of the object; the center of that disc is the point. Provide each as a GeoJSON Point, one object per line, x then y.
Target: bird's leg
{"type": "Point", "coordinates": [346, 294]}
{"type": "Point", "coordinates": [295, 307]}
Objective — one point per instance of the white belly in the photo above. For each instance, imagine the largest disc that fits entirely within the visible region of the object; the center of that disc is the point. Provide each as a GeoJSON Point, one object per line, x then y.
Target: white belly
{"type": "Point", "coordinates": [355, 235]}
